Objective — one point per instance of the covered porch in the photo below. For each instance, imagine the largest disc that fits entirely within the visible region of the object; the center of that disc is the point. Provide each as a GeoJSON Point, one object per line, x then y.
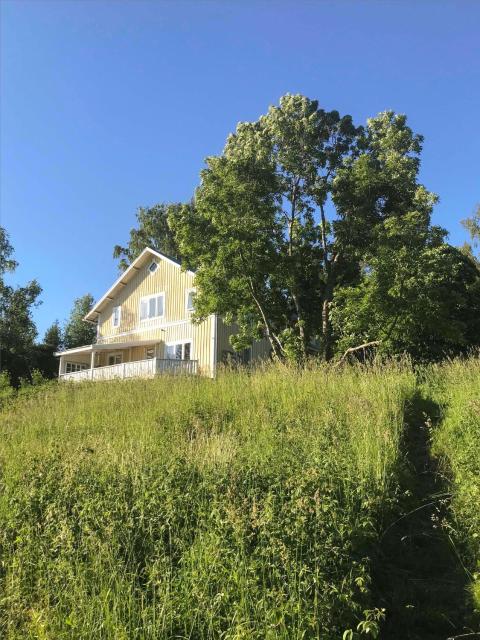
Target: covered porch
{"type": "Point", "coordinates": [120, 360]}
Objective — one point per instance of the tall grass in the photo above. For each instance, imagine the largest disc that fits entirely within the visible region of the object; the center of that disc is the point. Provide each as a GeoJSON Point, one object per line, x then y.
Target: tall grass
{"type": "Point", "coordinates": [244, 507]}
{"type": "Point", "coordinates": [456, 387]}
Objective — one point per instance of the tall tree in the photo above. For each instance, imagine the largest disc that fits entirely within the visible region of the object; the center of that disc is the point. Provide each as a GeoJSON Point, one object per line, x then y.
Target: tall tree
{"type": "Point", "coordinates": [262, 257]}
{"type": "Point", "coordinates": [472, 225]}
{"type": "Point", "coordinates": [45, 361]}
{"type": "Point", "coordinates": [53, 336]}
{"type": "Point", "coordinates": [17, 329]}
{"type": "Point", "coordinates": [77, 332]}
{"type": "Point", "coordinates": [304, 212]}
{"type": "Point", "coordinates": [152, 231]}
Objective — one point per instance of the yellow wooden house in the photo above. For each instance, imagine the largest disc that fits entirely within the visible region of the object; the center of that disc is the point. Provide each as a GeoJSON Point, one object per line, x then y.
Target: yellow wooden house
{"type": "Point", "coordinates": [144, 328]}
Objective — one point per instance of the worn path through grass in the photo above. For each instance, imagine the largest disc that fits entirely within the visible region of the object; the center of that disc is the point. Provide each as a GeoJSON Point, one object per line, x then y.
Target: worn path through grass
{"type": "Point", "coordinates": [419, 577]}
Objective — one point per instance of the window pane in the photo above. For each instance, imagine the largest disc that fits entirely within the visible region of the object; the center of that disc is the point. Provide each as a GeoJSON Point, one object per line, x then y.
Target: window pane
{"type": "Point", "coordinates": [150, 353]}
{"type": "Point", "coordinates": [186, 354]}
{"type": "Point", "coordinates": [160, 306]}
{"type": "Point", "coordinates": [151, 308]}
{"type": "Point", "coordinates": [178, 351]}
{"type": "Point", "coordinates": [190, 301]}
{"type": "Point", "coordinates": [143, 309]}
{"type": "Point", "coordinates": [171, 351]}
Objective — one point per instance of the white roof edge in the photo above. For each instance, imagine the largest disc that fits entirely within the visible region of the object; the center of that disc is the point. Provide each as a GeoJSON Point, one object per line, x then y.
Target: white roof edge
{"type": "Point", "coordinates": [87, 347]}
{"type": "Point", "coordinates": [88, 316]}
{"type": "Point", "coordinates": [107, 346]}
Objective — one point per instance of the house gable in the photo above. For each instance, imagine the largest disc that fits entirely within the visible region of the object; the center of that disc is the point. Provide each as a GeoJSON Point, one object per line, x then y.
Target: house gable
{"type": "Point", "coordinates": [150, 296]}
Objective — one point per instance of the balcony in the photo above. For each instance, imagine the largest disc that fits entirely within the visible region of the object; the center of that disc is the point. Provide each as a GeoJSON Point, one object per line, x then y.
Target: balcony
{"type": "Point", "coordinates": [138, 369]}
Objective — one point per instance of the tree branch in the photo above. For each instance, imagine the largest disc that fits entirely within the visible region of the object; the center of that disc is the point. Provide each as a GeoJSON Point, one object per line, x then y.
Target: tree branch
{"type": "Point", "coordinates": [373, 343]}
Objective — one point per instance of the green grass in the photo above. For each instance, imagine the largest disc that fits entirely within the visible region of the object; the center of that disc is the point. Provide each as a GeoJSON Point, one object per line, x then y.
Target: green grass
{"type": "Point", "coordinates": [245, 507]}
{"type": "Point", "coordinates": [456, 387]}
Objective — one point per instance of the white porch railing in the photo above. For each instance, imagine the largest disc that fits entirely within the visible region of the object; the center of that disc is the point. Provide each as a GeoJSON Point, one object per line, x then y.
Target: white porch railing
{"type": "Point", "coordinates": [138, 369]}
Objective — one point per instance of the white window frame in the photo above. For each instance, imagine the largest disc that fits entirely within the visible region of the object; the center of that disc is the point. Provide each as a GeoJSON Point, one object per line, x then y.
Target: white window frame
{"type": "Point", "coordinates": [114, 355]}
{"type": "Point", "coordinates": [187, 294]}
{"type": "Point", "coordinates": [119, 307]}
{"type": "Point", "coordinates": [73, 367]}
{"type": "Point", "coordinates": [177, 343]}
{"type": "Point", "coordinates": [147, 300]}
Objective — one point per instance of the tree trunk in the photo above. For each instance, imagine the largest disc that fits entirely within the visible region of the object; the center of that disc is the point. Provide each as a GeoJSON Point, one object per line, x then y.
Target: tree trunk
{"type": "Point", "coordinates": [329, 266]}
{"type": "Point", "coordinates": [327, 301]}
{"type": "Point", "coordinates": [326, 331]}
{"type": "Point", "coordinates": [301, 328]}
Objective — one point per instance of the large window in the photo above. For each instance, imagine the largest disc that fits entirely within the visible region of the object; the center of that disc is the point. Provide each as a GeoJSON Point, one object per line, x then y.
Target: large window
{"type": "Point", "coordinates": [152, 306]}
{"type": "Point", "coordinates": [179, 351]}
{"type": "Point", "coordinates": [72, 367]}
{"type": "Point", "coordinates": [114, 358]}
{"type": "Point", "coordinates": [116, 316]}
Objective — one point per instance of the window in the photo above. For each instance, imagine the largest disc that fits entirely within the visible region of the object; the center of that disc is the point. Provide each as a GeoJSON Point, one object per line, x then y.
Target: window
{"type": "Point", "coordinates": [150, 353]}
{"type": "Point", "coordinates": [116, 316]}
{"type": "Point", "coordinates": [179, 351]}
{"type": "Point", "coordinates": [190, 297]}
{"type": "Point", "coordinates": [153, 267]}
{"type": "Point", "coordinates": [114, 358]}
{"type": "Point", "coordinates": [71, 367]}
{"type": "Point", "coordinates": [152, 306]}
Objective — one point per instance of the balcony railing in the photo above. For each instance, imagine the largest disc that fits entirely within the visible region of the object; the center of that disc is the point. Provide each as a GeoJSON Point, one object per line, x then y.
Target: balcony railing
{"type": "Point", "coordinates": [137, 369]}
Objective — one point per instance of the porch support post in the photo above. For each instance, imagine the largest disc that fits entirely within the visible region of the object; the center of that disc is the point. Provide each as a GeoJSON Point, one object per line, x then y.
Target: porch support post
{"type": "Point", "coordinates": [61, 366]}
{"type": "Point", "coordinates": [92, 363]}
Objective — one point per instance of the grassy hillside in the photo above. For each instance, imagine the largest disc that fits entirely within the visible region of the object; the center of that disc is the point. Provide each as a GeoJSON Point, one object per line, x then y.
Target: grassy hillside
{"type": "Point", "coordinates": [245, 507]}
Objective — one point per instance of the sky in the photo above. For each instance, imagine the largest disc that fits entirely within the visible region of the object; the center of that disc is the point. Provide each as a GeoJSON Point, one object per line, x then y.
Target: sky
{"type": "Point", "coordinates": [111, 105]}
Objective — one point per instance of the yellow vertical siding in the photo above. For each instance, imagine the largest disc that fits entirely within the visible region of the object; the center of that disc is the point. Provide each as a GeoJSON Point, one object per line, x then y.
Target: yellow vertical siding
{"type": "Point", "coordinates": [173, 326]}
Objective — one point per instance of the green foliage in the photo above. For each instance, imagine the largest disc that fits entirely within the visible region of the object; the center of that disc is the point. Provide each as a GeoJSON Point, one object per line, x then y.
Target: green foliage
{"type": "Point", "coordinates": [44, 358]}
{"type": "Point", "coordinates": [153, 231]}
{"type": "Point", "coordinates": [17, 329]}
{"type": "Point", "coordinates": [472, 225]}
{"type": "Point", "coordinates": [7, 263]}
{"type": "Point", "coordinates": [53, 336]}
{"type": "Point", "coordinates": [245, 507]}
{"type": "Point", "coordinates": [77, 332]}
{"type": "Point", "coordinates": [416, 294]}
{"type": "Point", "coordinates": [253, 237]}
{"type": "Point", "coordinates": [317, 234]}
{"type": "Point", "coordinates": [7, 392]}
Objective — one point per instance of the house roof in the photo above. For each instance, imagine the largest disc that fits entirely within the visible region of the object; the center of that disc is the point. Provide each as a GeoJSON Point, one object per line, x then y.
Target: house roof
{"type": "Point", "coordinates": [124, 279]}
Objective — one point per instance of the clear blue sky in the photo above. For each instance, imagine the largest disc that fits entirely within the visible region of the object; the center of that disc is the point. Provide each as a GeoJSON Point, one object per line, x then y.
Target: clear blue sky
{"type": "Point", "coordinates": [110, 105]}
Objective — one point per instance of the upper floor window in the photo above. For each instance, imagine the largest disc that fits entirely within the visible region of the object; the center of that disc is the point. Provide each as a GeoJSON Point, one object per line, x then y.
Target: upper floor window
{"type": "Point", "coordinates": [153, 267]}
{"type": "Point", "coordinates": [152, 306]}
{"type": "Point", "coordinates": [116, 316]}
{"type": "Point", "coordinates": [190, 299]}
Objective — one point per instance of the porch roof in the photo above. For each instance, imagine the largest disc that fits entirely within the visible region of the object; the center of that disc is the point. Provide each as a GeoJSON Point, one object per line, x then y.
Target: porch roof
{"type": "Point", "coordinates": [108, 346]}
